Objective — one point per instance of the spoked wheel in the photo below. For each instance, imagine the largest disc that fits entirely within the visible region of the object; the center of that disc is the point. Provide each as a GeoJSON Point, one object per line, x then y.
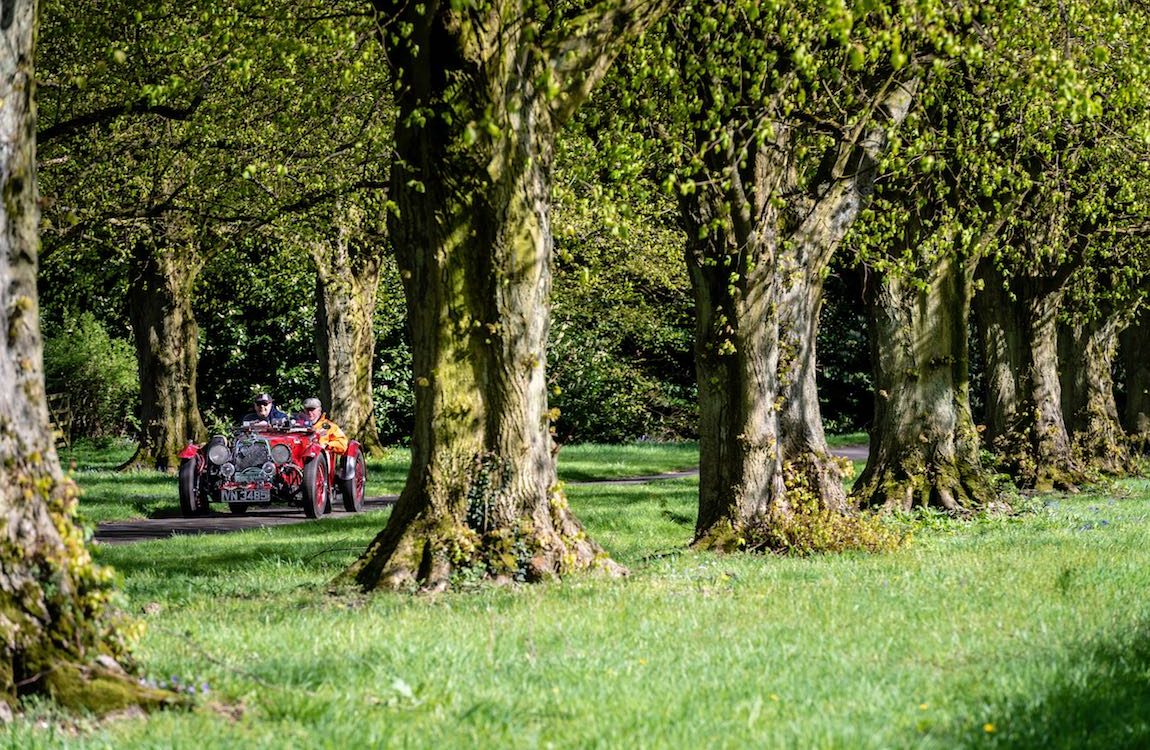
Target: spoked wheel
{"type": "Point", "coordinates": [314, 487]}
{"type": "Point", "coordinates": [238, 509]}
{"type": "Point", "coordinates": [352, 489]}
{"type": "Point", "coordinates": [190, 504]}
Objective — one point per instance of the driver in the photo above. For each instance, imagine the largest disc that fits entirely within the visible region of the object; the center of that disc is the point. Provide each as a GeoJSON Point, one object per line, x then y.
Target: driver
{"type": "Point", "coordinates": [330, 434]}
{"type": "Point", "coordinates": [264, 410]}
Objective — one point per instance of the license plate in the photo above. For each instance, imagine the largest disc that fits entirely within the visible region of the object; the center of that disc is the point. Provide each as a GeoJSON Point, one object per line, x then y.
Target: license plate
{"type": "Point", "coordinates": [246, 495]}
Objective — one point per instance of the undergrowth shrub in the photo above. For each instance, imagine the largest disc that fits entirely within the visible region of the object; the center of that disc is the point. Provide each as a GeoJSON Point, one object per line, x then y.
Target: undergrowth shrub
{"type": "Point", "coordinates": [91, 379]}
{"type": "Point", "coordinates": [804, 526]}
{"type": "Point", "coordinates": [811, 530]}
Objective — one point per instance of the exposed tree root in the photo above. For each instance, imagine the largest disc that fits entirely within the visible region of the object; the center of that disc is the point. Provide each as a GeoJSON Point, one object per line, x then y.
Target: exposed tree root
{"type": "Point", "coordinates": [902, 487]}
{"type": "Point", "coordinates": [1105, 455]}
{"type": "Point", "coordinates": [1036, 464]}
{"type": "Point", "coordinates": [430, 555]}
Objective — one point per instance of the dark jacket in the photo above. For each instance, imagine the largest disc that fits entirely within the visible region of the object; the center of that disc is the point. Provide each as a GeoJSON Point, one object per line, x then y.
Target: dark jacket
{"type": "Point", "coordinates": [275, 415]}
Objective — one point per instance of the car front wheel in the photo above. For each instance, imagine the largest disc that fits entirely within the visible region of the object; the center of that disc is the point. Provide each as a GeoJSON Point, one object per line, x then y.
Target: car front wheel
{"type": "Point", "coordinates": [314, 488]}
{"type": "Point", "coordinates": [352, 489]}
{"type": "Point", "coordinates": [190, 504]}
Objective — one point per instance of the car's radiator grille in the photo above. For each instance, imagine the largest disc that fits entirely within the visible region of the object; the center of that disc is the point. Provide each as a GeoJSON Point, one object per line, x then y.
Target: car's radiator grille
{"type": "Point", "coordinates": [252, 453]}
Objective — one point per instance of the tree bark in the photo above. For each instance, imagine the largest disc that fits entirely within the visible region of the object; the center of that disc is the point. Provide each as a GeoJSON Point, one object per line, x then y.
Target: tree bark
{"type": "Point", "coordinates": [1087, 349]}
{"type": "Point", "coordinates": [164, 270]}
{"type": "Point", "coordinates": [347, 280]}
{"type": "Point", "coordinates": [826, 211]}
{"type": "Point", "coordinates": [58, 634]}
{"type": "Point", "coordinates": [924, 448]}
{"type": "Point", "coordinates": [731, 258]}
{"type": "Point", "coordinates": [1019, 331]}
{"type": "Point", "coordinates": [479, 104]}
{"type": "Point", "coordinates": [1135, 350]}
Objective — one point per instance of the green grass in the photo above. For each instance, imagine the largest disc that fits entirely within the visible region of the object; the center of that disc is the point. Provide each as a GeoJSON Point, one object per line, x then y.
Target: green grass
{"type": "Point", "coordinates": [850, 438]}
{"type": "Point", "coordinates": [588, 462]}
{"type": "Point", "coordinates": [1027, 631]}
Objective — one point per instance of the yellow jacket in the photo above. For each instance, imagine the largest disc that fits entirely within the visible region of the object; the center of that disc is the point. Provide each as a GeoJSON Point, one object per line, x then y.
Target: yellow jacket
{"type": "Point", "coordinates": [330, 435]}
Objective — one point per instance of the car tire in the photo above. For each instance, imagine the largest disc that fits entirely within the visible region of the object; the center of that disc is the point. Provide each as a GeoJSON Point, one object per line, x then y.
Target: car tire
{"type": "Point", "coordinates": [190, 504]}
{"type": "Point", "coordinates": [352, 489]}
{"type": "Point", "coordinates": [315, 488]}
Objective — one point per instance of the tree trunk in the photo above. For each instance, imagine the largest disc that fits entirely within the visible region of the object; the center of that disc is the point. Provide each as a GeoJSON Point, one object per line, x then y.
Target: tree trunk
{"type": "Point", "coordinates": [1135, 348]}
{"type": "Point", "coordinates": [167, 350]}
{"type": "Point", "coordinates": [826, 212]}
{"type": "Point", "coordinates": [1020, 339]}
{"type": "Point", "coordinates": [479, 104]}
{"type": "Point", "coordinates": [731, 258]}
{"type": "Point", "coordinates": [924, 448]}
{"type": "Point", "coordinates": [346, 287]}
{"type": "Point", "coordinates": [804, 443]}
{"type": "Point", "coordinates": [1086, 352]}
{"type": "Point", "coordinates": [58, 634]}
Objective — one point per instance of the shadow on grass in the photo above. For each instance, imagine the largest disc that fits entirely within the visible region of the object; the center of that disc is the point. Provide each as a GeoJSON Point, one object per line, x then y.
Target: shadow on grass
{"type": "Point", "coordinates": [1101, 701]}
{"type": "Point", "coordinates": [219, 555]}
{"type": "Point", "coordinates": [114, 480]}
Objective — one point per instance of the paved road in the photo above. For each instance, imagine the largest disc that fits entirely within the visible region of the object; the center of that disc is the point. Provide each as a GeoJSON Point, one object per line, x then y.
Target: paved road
{"type": "Point", "coordinates": [216, 522]}
{"type": "Point", "coordinates": [162, 527]}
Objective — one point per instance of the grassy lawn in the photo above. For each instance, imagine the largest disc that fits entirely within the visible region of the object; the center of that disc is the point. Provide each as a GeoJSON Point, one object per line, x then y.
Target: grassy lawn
{"type": "Point", "coordinates": [1027, 631]}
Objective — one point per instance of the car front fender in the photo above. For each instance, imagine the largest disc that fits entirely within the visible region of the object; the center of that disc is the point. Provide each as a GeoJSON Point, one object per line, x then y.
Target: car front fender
{"type": "Point", "coordinates": [347, 470]}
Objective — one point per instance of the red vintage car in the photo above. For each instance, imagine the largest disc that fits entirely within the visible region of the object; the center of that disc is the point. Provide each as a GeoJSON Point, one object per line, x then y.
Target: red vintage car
{"type": "Point", "coordinates": [263, 463]}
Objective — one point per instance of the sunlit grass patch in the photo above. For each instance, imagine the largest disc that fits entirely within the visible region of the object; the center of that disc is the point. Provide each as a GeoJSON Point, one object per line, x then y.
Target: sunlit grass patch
{"type": "Point", "coordinates": [591, 461]}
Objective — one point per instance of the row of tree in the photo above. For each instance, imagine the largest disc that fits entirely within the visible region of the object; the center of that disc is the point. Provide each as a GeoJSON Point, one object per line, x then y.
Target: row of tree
{"type": "Point", "coordinates": [986, 156]}
{"type": "Point", "coordinates": [956, 146]}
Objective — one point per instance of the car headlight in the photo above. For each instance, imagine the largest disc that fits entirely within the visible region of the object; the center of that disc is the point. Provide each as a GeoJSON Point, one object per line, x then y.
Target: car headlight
{"type": "Point", "coordinates": [268, 470]}
{"type": "Point", "coordinates": [281, 453]}
{"type": "Point", "coordinates": [218, 453]}
{"type": "Point", "coordinates": [228, 471]}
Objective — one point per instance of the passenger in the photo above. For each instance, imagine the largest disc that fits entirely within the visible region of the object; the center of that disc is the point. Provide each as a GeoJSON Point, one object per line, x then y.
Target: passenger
{"type": "Point", "coordinates": [264, 410]}
{"type": "Point", "coordinates": [330, 434]}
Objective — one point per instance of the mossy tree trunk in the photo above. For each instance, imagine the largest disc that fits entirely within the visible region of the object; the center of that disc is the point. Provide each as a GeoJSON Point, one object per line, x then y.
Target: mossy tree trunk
{"type": "Point", "coordinates": [924, 448]}
{"type": "Point", "coordinates": [804, 442]}
{"type": "Point", "coordinates": [1019, 331]}
{"type": "Point", "coordinates": [731, 257]}
{"type": "Point", "coordinates": [823, 212]}
{"type": "Point", "coordinates": [58, 636]}
{"type": "Point", "coordinates": [1087, 349]}
{"type": "Point", "coordinates": [483, 90]}
{"type": "Point", "coordinates": [164, 270]}
{"type": "Point", "coordinates": [1135, 353]}
{"type": "Point", "coordinates": [347, 282]}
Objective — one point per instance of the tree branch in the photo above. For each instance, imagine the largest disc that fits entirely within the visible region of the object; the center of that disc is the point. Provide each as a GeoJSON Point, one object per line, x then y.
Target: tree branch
{"type": "Point", "coordinates": [581, 59]}
{"type": "Point", "coordinates": [109, 114]}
